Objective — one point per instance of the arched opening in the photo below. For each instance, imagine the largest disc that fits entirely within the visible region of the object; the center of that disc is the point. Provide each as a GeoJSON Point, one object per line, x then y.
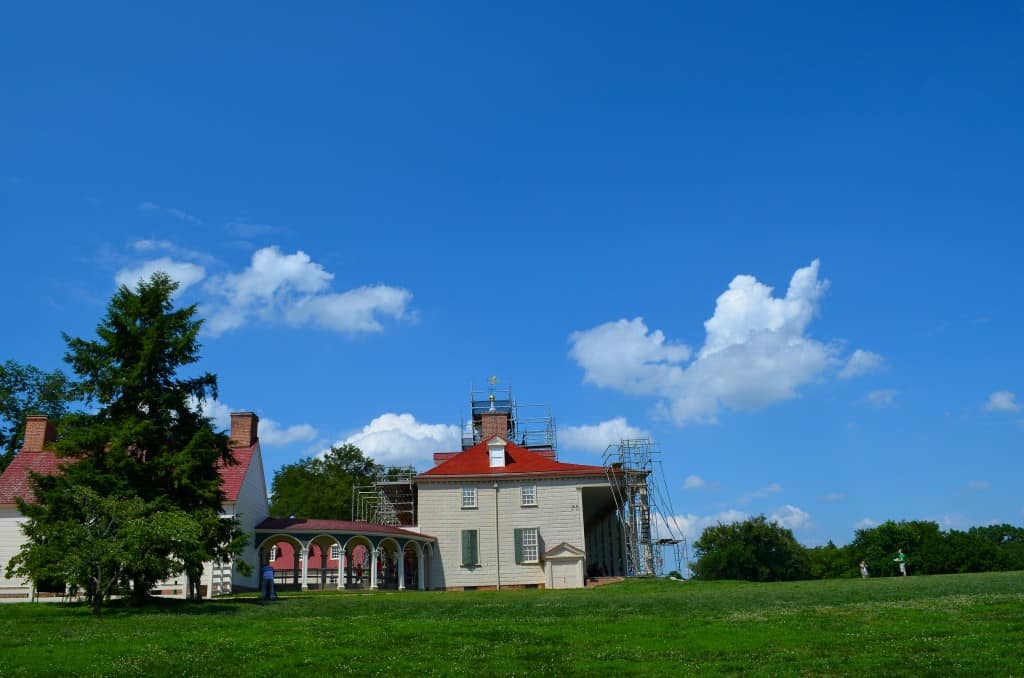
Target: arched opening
{"type": "Point", "coordinates": [412, 561]}
{"type": "Point", "coordinates": [281, 552]}
{"type": "Point", "coordinates": [357, 562]}
{"type": "Point", "coordinates": [388, 554]}
{"type": "Point", "coordinates": [323, 563]}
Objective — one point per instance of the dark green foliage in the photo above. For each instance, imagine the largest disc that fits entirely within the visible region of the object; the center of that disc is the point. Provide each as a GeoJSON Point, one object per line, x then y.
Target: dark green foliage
{"type": "Point", "coordinates": [25, 390]}
{"type": "Point", "coordinates": [831, 562]}
{"type": "Point", "coordinates": [754, 549]}
{"type": "Point", "coordinates": [146, 447]}
{"type": "Point", "coordinates": [321, 487]}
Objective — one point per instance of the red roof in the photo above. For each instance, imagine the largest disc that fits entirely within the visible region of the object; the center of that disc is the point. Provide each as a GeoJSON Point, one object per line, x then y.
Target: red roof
{"type": "Point", "coordinates": [14, 481]}
{"type": "Point", "coordinates": [476, 461]}
{"type": "Point", "coordinates": [317, 525]}
{"type": "Point", "coordinates": [233, 476]}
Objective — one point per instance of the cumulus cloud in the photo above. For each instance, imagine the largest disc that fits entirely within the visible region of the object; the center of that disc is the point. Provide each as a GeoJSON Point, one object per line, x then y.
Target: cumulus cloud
{"type": "Point", "coordinates": [756, 352]}
{"type": "Point", "coordinates": [791, 517]}
{"type": "Point", "coordinates": [1002, 401]}
{"type": "Point", "coordinates": [693, 483]}
{"type": "Point", "coordinates": [865, 524]}
{"type": "Point", "coordinates": [153, 209]}
{"type": "Point", "coordinates": [271, 433]}
{"type": "Point", "coordinates": [862, 362]}
{"type": "Point", "coordinates": [184, 273]}
{"type": "Point", "coordinates": [400, 440]}
{"type": "Point", "coordinates": [884, 397]}
{"type": "Point", "coordinates": [596, 438]}
{"type": "Point", "coordinates": [294, 289]}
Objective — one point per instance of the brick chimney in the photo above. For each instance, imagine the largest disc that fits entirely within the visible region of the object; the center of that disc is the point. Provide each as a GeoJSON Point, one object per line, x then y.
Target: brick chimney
{"type": "Point", "coordinates": [38, 431]}
{"type": "Point", "coordinates": [493, 424]}
{"type": "Point", "coordinates": [243, 429]}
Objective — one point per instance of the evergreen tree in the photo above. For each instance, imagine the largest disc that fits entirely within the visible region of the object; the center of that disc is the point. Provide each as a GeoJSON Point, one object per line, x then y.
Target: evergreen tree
{"type": "Point", "coordinates": [147, 444]}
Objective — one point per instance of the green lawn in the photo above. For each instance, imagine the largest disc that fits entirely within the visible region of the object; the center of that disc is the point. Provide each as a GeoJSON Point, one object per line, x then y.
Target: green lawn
{"type": "Point", "coordinates": [939, 625]}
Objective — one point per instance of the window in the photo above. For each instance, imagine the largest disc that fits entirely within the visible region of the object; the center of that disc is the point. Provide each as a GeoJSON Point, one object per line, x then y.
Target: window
{"type": "Point", "coordinates": [274, 551]}
{"type": "Point", "coordinates": [470, 552]}
{"type": "Point", "coordinates": [335, 552]}
{"type": "Point", "coordinates": [527, 545]}
{"type": "Point", "coordinates": [528, 494]}
{"type": "Point", "coordinates": [469, 497]}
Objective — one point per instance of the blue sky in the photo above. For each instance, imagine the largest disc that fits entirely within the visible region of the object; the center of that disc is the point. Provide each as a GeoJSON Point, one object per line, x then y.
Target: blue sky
{"type": "Point", "coordinates": [784, 243]}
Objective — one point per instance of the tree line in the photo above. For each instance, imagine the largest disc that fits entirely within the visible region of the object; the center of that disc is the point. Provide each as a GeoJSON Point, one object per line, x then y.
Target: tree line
{"type": "Point", "coordinates": [757, 549]}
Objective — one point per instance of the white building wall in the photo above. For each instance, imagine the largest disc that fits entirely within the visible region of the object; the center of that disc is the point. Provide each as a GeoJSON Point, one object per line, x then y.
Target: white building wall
{"type": "Point", "coordinates": [251, 509]}
{"type": "Point", "coordinates": [558, 517]}
{"type": "Point", "coordinates": [11, 539]}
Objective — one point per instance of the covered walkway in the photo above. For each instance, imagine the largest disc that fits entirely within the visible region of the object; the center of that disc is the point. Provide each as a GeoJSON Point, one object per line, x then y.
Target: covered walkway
{"type": "Point", "coordinates": [364, 555]}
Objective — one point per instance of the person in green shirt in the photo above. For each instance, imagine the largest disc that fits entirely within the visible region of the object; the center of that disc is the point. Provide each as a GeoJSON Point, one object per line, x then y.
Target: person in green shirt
{"type": "Point", "coordinates": [902, 560]}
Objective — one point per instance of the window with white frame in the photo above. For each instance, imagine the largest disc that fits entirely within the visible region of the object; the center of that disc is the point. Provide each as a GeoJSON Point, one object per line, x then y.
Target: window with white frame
{"type": "Point", "coordinates": [335, 552]}
{"type": "Point", "coordinates": [469, 497]}
{"type": "Point", "coordinates": [527, 545]}
{"type": "Point", "coordinates": [528, 495]}
{"type": "Point", "coordinates": [274, 550]}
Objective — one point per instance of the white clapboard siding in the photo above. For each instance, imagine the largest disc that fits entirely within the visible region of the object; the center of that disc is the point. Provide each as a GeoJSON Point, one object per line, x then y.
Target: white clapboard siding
{"type": "Point", "coordinates": [557, 515]}
{"type": "Point", "coordinates": [11, 539]}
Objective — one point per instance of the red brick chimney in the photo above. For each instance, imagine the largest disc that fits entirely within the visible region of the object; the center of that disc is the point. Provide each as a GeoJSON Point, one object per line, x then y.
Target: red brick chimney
{"type": "Point", "coordinates": [38, 431]}
{"type": "Point", "coordinates": [243, 429]}
{"type": "Point", "coordinates": [493, 424]}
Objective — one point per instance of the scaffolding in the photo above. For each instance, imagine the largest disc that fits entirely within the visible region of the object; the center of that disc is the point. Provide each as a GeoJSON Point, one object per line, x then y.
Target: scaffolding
{"type": "Point", "coordinates": [530, 425]}
{"type": "Point", "coordinates": [389, 500]}
{"type": "Point", "coordinates": [640, 497]}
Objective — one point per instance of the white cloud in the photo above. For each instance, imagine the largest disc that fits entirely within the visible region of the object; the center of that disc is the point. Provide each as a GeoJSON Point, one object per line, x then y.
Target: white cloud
{"type": "Point", "coordinates": [1002, 401]}
{"type": "Point", "coordinates": [180, 215]}
{"type": "Point", "coordinates": [755, 352]}
{"type": "Point", "coordinates": [884, 397]}
{"type": "Point", "coordinates": [862, 362]}
{"type": "Point", "coordinates": [978, 485]}
{"type": "Point", "coordinates": [271, 433]}
{"type": "Point", "coordinates": [293, 289]}
{"type": "Point", "coordinates": [760, 493]}
{"type": "Point", "coordinates": [865, 524]}
{"type": "Point", "coordinates": [400, 440]}
{"type": "Point", "coordinates": [246, 229]}
{"type": "Point", "coordinates": [693, 483]}
{"type": "Point", "coordinates": [692, 526]}
{"type": "Point", "coordinates": [597, 437]}
{"type": "Point", "coordinates": [153, 246]}
{"type": "Point", "coordinates": [184, 273]}
{"type": "Point", "coordinates": [833, 496]}
{"type": "Point", "coordinates": [791, 517]}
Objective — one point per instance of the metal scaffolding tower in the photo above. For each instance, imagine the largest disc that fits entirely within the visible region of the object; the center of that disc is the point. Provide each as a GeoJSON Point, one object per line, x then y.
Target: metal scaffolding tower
{"type": "Point", "coordinates": [390, 500]}
{"type": "Point", "coordinates": [639, 497]}
{"type": "Point", "coordinates": [529, 425]}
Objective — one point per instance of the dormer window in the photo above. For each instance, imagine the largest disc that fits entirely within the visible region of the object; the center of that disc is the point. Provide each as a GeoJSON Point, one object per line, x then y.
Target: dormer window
{"type": "Point", "coordinates": [496, 448]}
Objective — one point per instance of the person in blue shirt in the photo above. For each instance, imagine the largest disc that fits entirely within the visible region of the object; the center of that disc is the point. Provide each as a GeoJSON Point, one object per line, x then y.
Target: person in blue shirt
{"type": "Point", "coordinates": [267, 583]}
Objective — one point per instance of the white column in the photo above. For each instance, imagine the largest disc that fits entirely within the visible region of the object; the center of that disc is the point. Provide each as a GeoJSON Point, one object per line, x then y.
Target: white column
{"type": "Point", "coordinates": [401, 570]}
{"type": "Point", "coordinates": [305, 567]}
{"type": "Point", "coordinates": [419, 567]}
{"type": "Point", "coordinates": [342, 566]}
{"type": "Point", "coordinates": [373, 568]}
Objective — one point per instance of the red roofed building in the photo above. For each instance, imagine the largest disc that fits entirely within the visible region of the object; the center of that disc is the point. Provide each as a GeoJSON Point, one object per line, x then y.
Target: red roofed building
{"type": "Point", "coordinates": [508, 516]}
{"type": "Point", "coordinates": [243, 484]}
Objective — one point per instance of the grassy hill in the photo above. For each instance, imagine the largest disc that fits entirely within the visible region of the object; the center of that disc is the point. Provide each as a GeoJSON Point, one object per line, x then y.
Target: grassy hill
{"type": "Point", "coordinates": [939, 625]}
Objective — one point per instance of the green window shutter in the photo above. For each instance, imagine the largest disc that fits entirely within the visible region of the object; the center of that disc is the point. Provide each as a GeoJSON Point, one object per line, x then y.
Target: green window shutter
{"type": "Point", "coordinates": [519, 545]}
{"type": "Point", "coordinates": [469, 556]}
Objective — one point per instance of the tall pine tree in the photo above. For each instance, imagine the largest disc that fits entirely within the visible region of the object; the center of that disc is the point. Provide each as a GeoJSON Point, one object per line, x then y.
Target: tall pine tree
{"type": "Point", "coordinates": [146, 443]}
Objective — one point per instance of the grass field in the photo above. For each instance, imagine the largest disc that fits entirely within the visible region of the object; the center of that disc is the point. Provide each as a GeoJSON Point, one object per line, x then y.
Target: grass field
{"type": "Point", "coordinates": [939, 625]}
